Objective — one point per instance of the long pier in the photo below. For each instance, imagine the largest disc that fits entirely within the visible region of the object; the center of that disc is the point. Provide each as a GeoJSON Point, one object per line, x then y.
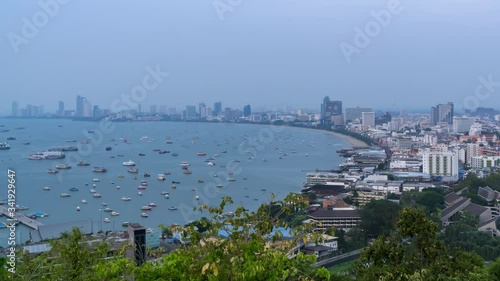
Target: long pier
{"type": "Point", "coordinates": [34, 224]}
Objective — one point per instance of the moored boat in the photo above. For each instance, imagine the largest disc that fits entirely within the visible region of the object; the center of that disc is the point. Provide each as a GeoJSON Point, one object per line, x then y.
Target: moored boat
{"type": "Point", "coordinates": [65, 194]}
{"type": "Point", "coordinates": [99, 170]}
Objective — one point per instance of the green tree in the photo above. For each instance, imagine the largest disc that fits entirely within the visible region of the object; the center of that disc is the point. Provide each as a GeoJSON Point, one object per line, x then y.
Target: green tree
{"type": "Point", "coordinates": [378, 217]}
{"type": "Point", "coordinates": [413, 252]}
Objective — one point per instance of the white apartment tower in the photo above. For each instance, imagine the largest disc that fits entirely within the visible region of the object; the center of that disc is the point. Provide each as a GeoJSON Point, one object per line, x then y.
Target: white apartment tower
{"type": "Point", "coordinates": [472, 150]}
{"type": "Point", "coordinates": [444, 164]}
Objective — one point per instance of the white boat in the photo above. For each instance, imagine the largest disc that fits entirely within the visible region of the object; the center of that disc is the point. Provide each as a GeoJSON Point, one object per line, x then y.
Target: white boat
{"type": "Point", "coordinates": [165, 193]}
{"type": "Point", "coordinates": [106, 220]}
{"type": "Point", "coordinates": [210, 163]}
{"type": "Point", "coordinates": [97, 195]}
{"type": "Point", "coordinates": [219, 185]}
{"type": "Point", "coordinates": [139, 193]}
{"type": "Point", "coordinates": [114, 214]}
{"type": "Point", "coordinates": [126, 198]}
{"type": "Point", "coordinates": [152, 205]}
{"type": "Point", "coordinates": [46, 188]}
{"type": "Point", "coordinates": [96, 180]}
{"type": "Point", "coordinates": [65, 194]}
{"type": "Point", "coordinates": [185, 164]}
{"type": "Point", "coordinates": [197, 197]}
{"type": "Point", "coordinates": [92, 191]}
{"type": "Point", "coordinates": [144, 215]}
{"type": "Point", "coordinates": [104, 204]}
{"type": "Point", "coordinates": [128, 163]}
{"type": "Point", "coordinates": [173, 208]}
{"type": "Point", "coordinates": [231, 179]}
{"type": "Point", "coordinates": [166, 196]}
{"type": "Point", "coordinates": [160, 177]}
{"type": "Point", "coordinates": [84, 201]}
{"type": "Point", "coordinates": [78, 208]}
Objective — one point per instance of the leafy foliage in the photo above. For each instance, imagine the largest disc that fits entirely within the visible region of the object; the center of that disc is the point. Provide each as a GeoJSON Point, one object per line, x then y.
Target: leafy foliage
{"type": "Point", "coordinates": [413, 252]}
{"type": "Point", "coordinates": [378, 217]}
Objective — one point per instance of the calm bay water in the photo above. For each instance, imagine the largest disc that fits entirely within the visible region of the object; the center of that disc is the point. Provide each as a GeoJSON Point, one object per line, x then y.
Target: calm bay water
{"type": "Point", "coordinates": [259, 172]}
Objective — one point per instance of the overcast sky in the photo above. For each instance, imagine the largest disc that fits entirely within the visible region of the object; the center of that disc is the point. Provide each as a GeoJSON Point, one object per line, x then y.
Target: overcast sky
{"type": "Point", "coordinates": [261, 52]}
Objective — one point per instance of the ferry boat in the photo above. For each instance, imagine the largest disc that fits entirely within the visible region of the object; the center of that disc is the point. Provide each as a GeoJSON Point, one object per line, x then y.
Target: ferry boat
{"type": "Point", "coordinates": [63, 166]}
{"type": "Point", "coordinates": [83, 163]}
{"type": "Point", "coordinates": [126, 198]}
{"type": "Point", "coordinates": [128, 163]}
{"type": "Point", "coordinates": [52, 171]}
{"type": "Point", "coordinates": [99, 170]}
{"type": "Point", "coordinates": [65, 194]}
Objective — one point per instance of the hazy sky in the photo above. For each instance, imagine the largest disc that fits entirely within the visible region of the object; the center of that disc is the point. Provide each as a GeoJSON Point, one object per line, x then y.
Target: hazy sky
{"type": "Point", "coordinates": [262, 52]}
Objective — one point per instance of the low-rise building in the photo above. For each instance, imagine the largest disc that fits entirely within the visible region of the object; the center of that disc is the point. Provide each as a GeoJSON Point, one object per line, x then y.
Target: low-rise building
{"type": "Point", "coordinates": [341, 218]}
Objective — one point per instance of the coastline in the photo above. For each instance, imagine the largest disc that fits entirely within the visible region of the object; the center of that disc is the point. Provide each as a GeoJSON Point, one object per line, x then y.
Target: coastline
{"type": "Point", "coordinates": [352, 141]}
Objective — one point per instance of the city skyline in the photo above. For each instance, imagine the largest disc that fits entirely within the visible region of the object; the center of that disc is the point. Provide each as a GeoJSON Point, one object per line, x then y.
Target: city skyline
{"type": "Point", "coordinates": [265, 54]}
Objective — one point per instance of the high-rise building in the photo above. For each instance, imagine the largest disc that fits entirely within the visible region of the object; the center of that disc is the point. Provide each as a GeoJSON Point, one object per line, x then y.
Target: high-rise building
{"type": "Point", "coordinates": [382, 119]}
{"type": "Point", "coordinates": [202, 110]}
{"type": "Point", "coordinates": [79, 106]}
{"type": "Point", "coordinates": [191, 112]}
{"type": "Point", "coordinates": [217, 108]}
{"type": "Point", "coordinates": [335, 108]}
{"type": "Point", "coordinates": [324, 105]}
{"type": "Point", "coordinates": [368, 119]}
{"type": "Point", "coordinates": [15, 108]}
{"type": "Point", "coordinates": [472, 150]}
{"type": "Point", "coordinates": [247, 110]}
{"type": "Point", "coordinates": [60, 108]}
{"type": "Point", "coordinates": [352, 114]}
{"type": "Point", "coordinates": [442, 113]}
{"type": "Point", "coordinates": [462, 124]}
{"type": "Point", "coordinates": [152, 109]}
{"type": "Point", "coordinates": [443, 164]}
{"type": "Point", "coordinates": [87, 108]}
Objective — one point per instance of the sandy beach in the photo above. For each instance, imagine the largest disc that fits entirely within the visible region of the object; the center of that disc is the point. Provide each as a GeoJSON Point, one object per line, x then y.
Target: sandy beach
{"type": "Point", "coordinates": [352, 141]}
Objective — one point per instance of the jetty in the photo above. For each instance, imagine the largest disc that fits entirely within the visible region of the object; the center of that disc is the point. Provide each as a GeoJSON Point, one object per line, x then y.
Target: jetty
{"type": "Point", "coordinates": [29, 222]}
